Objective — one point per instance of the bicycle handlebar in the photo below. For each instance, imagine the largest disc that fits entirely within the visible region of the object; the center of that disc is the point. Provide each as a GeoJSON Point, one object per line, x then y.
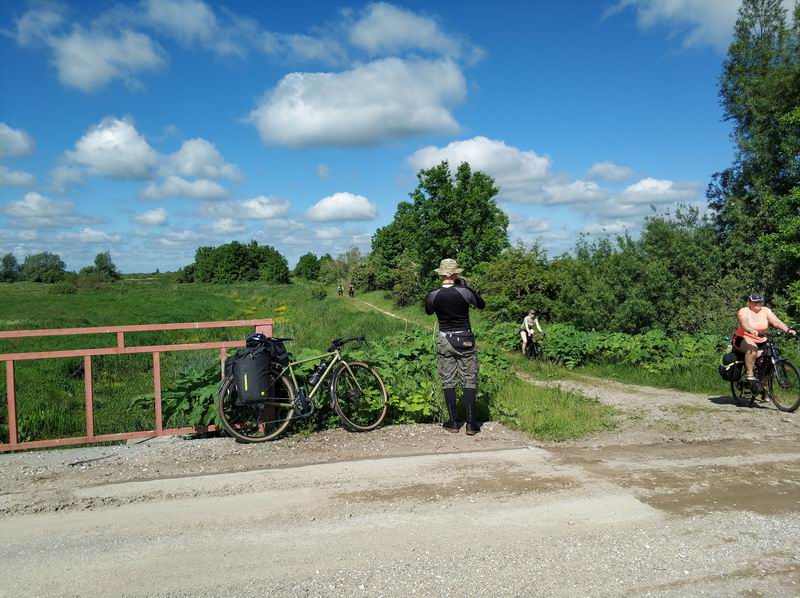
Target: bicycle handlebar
{"type": "Point", "coordinates": [337, 343]}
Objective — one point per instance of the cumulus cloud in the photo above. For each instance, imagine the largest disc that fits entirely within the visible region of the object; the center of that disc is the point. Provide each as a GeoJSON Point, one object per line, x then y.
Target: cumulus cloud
{"type": "Point", "coordinates": [519, 174]}
{"type": "Point", "coordinates": [175, 186]}
{"type": "Point", "coordinates": [386, 29]}
{"type": "Point", "coordinates": [342, 207]}
{"type": "Point", "coordinates": [15, 178]}
{"type": "Point", "coordinates": [90, 60]}
{"type": "Point", "coordinates": [200, 158]}
{"type": "Point", "coordinates": [155, 217]}
{"type": "Point", "coordinates": [608, 171]}
{"type": "Point", "coordinates": [115, 148]}
{"type": "Point", "coordinates": [37, 211]}
{"type": "Point", "coordinates": [14, 142]}
{"type": "Point", "coordinates": [92, 236]}
{"type": "Point", "coordinates": [226, 226]}
{"type": "Point", "coordinates": [659, 191]}
{"type": "Point", "coordinates": [258, 208]}
{"type": "Point", "coordinates": [298, 47]}
{"type": "Point", "coordinates": [700, 22]}
{"type": "Point", "coordinates": [618, 227]}
{"type": "Point", "coordinates": [328, 233]}
{"type": "Point", "coordinates": [572, 193]}
{"type": "Point", "coordinates": [381, 100]}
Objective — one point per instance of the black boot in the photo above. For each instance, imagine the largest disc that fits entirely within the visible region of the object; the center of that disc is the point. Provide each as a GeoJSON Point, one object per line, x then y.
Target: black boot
{"type": "Point", "coordinates": [473, 427]}
{"type": "Point", "coordinates": [450, 400]}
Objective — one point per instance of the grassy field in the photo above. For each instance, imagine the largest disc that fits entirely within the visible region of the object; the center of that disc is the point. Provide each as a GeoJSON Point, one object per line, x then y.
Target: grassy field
{"type": "Point", "coordinates": [50, 392]}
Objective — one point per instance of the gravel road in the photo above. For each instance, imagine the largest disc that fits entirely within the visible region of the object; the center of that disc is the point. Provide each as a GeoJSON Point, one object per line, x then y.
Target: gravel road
{"type": "Point", "coordinates": [678, 501]}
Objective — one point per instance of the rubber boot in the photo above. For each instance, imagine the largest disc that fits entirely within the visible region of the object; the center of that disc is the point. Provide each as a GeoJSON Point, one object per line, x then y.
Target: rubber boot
{"type": "Point", "coordinates": [450, 400]}
{"type": "Point", "coordinates": [473, 427]}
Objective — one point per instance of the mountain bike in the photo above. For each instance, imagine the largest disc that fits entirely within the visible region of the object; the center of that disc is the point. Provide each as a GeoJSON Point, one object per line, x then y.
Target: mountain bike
{"type": "Point", "coordinates": [776, 378]}
{"type": "Point", "coordinates": [533, 349]}
{"type": "Point", "coordinates": [355, 393]}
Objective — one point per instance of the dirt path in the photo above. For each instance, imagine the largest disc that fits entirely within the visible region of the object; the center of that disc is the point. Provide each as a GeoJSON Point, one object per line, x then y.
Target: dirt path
{"type": "Point", "coordinates": [386, 313]}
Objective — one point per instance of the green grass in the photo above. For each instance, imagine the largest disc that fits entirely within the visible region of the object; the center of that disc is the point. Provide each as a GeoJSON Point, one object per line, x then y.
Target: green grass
{"type": "Point", "coordinates": [552, 414]}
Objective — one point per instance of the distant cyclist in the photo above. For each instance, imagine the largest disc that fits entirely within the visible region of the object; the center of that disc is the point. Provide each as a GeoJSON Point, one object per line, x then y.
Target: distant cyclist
{"type": "Point", "coordinates": [755, 319]}
{"type": "Point", "coordinates": [351, 291]}
{"type": "Point", "coordinates": [340, 290]}
{"type": "Point", "coordinates": [526, 329]}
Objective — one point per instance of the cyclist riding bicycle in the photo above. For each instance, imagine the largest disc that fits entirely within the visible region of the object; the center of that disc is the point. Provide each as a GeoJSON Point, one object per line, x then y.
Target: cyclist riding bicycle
{"type": "Point", "coordinates": [754, 320]}
{"type": "Point", "coordinates": [526, 329]}
{"type": "Point", "coordinates": [351, 291]}
{"type": "Point", "coordinates": [340, 290]}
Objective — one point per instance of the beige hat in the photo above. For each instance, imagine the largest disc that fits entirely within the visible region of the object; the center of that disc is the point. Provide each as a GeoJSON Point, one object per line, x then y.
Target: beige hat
{"type": "Point", "coordinates": [448, 266]}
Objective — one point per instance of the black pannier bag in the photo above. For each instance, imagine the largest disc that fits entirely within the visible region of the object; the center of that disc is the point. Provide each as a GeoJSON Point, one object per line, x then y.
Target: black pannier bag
{"type": "Point", "coordinates": [250, 370]}
{"type": "Point", "coordinates": [731, 368]}
{"type": "Point", "coordinates": [280, 355]}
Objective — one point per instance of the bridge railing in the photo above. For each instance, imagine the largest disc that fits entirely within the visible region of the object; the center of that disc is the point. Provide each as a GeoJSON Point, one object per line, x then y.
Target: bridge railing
{"type": "Point", "coordinates": [263, 326]}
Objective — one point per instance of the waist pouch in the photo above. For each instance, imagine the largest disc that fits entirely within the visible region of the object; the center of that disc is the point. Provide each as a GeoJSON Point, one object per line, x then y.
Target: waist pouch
{"type": "Point", "coordinates": [461, 341]}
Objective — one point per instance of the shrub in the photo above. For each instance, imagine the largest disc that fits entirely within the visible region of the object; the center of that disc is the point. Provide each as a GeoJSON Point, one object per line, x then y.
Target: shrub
{"type": "Point", "coordinates": [318, 292]}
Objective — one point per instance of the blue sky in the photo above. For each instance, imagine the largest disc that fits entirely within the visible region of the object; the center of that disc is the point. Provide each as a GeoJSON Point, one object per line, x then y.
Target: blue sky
{"type": "Point", "coordinates": [152, 127]}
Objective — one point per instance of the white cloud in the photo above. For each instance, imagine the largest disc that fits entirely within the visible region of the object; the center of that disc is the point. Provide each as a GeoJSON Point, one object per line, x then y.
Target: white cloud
{"type": "Point", "coordinates": [36, 26]}
{"type": "Point", "coordinates": [342, 207]}
{"type": "Point", "coordinates": [156, 217]}
{"type": "Point", "coordinates": [371, 103]}
{"type": "Point", "coordinates": [388, 29]}
{"type": "Point", "coordinates": [659, 191]}
{"type": "Point", "coordinates": [63, 175]}
{"type": "Point", "coordinates": [175, 186]}
{"type": "Point", "coordinates": [700, 22]}
{"type": "Point", "coordinates": [200, 158]}
{"type": "Point", "coordinates": [264, 208]}
{"type": "Point", "coordinates": [526, 224]}
{"type": "Point", "coordinates": [328, 233]}
{"type": "Point", "coordinates": [519, 174]}
{"type": "Point", "coordinates": [92, 236]}
{"type": "Point", "coordinates": [180, 239]}
{"type": "Point", "coordinates": [225, 226]}
{"type": "Point", "coordinates": [303, 48]}
{"type": "Point", "coordinates": [14, 142]}
{"type": "Point", "coordinates": [90, 60]}
{"type": "Point", "coordinates": [15, 178]}
{"type": "Point", "coordinates": [572, 193]}
{"type": "Point", "coordinates": [115, 148]}
{"type": "Point", "coordinates": [323, 171]}
{"type": "Point", "coordinates": [608, 171]}
{"type": "Point", "coordinates": [188, 20]}
{"type": "Point", "coordinates": [35, 211]}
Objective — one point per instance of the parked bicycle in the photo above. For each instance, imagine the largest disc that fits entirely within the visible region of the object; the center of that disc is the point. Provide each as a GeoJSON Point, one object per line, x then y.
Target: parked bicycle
{"type": "Point", "coordinates": [355, 393]}
{"type": "Point", "coordinates": [776, 377]}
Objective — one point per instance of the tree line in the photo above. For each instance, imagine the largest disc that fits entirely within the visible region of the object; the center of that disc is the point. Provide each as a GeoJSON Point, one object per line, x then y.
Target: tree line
{"type": "Point", "coordinates": [49, 268]}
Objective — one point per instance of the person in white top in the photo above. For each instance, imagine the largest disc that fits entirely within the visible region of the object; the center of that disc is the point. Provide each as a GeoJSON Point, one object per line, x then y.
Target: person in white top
{"type": "Point", "coordinates": [526, 329]}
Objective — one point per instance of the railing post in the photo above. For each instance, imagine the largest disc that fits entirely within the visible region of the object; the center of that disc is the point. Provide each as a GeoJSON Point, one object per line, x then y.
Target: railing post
{"type": "Point", "coordinates": [223, 355]}
{"type": "Point", "coordinates": [265, 329]}
{"type": "Point", "coordinates": [11, 403]}
{"type": "Point", "coordinates": [120, 340]}
{"type": "Point", "coordinates": [157, 391]}
{"type": "Point", "coordinates": [87, 395]}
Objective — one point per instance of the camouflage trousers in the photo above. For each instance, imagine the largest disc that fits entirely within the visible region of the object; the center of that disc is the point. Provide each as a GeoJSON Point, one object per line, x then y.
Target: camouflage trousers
{"type": "Point", "coordinates": [455, 366]}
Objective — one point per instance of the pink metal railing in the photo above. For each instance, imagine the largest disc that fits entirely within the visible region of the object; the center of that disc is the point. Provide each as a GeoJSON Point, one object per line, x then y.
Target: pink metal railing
{"type": "Point", "coordinates": [264, 326]}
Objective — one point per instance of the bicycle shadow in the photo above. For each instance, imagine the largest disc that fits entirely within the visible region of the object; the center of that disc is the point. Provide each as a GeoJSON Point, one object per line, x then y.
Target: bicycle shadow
{"type": "Point", "coordinates": [729, 400]}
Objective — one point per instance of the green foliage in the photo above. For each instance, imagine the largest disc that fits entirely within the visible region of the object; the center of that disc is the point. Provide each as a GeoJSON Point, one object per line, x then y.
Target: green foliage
{"type": "Point", "coordinates": [755, 200]}
{"type": "Point", "coordinates": [9, 268]}
{"type": "Point", "coordinates": [188, 401]}
{"type": "Point", "coordinates": [451, 215]}
{"type": "Point", "coordinates": [307, 267]}
{"type": "Point", "coordinates": [318, 292]}
{"type": "Point", "coordinates": [43, 267]}
{"type": "Point", "coordinates": [65, 287]}
{"type": "Point", "coordinates": [236, 262]}
{"type": "Point", "coordinates": [103, 270]}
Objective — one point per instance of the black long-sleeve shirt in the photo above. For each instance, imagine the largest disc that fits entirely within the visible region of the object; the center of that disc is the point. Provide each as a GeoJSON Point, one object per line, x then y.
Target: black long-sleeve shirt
{"type": "Point", "coordinates": [452, 308]}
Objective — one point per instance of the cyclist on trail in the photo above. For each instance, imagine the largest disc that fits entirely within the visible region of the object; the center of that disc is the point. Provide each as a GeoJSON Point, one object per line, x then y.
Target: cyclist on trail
{"type": "Point", "coordinates": [351, 291]}
{"type": "Point", "coordinates": [529, 322]}
{"type": "Point", "coordinates": [754, 320]}
{"type": "Point", "coordinates": [340, 290]}
{"type": "Point", "coordinates": [457, 354]}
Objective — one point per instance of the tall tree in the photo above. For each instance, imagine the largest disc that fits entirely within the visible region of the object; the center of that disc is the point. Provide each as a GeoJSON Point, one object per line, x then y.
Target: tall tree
{"type": "Point", "coordinates": [43, 267]}
{"type": "Point", "coordinates": [307, 267]}
{"type": "Point", "coordinates": [9, 268]}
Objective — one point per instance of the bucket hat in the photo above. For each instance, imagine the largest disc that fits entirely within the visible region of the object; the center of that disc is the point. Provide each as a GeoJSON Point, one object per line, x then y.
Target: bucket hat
{"type": "Point", "coordinates": [448, 266]}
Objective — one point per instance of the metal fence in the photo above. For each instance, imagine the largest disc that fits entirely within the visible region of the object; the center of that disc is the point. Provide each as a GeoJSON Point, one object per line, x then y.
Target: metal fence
{"type": "Point", "coordinates": [263, 326]}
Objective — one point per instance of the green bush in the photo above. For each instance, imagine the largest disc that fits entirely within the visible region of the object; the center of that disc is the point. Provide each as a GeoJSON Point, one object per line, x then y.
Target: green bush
{"type": "Point", "coordinates": [318, 292]}
{"type": "Point", "coordinates": [64, 288]}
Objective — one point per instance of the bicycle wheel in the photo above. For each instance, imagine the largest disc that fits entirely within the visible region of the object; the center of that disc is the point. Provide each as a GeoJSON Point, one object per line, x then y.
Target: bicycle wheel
{"type": "Point", "coordinates": [784, 386]}
{"type": "Point", "coordinates": [359, 397]}
{"type": "Point", "coordinates": [257, 422]}
{"type": "Point", "coordinates": [742, 392]}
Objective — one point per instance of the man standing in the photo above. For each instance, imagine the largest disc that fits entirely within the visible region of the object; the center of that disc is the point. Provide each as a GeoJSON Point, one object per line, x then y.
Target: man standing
{"type": "Point", "coordinates": [455, 347]}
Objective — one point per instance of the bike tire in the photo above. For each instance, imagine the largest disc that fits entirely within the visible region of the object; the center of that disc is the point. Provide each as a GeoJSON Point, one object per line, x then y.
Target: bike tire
{"type": "Point", "coordinates": [257, 422]}
{"type": "Point", "coordinates": [742, 392]}
{"type": "Point", "coordinates": [359, 396]}
{"type": "Point", "coordinates": [785, 393]}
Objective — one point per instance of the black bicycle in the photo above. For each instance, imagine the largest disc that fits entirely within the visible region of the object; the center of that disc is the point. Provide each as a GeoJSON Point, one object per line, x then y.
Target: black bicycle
{"type": "Point", "coordinates": [355, 393]}
{"type": "Point", "coordinates": [776, 377]}
{"type": "Point", "coordinates": [533, 348]}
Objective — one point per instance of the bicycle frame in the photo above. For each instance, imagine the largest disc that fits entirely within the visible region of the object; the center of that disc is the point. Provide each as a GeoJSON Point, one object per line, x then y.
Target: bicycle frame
{"type": "Point", "coordinates": [336, 359]}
